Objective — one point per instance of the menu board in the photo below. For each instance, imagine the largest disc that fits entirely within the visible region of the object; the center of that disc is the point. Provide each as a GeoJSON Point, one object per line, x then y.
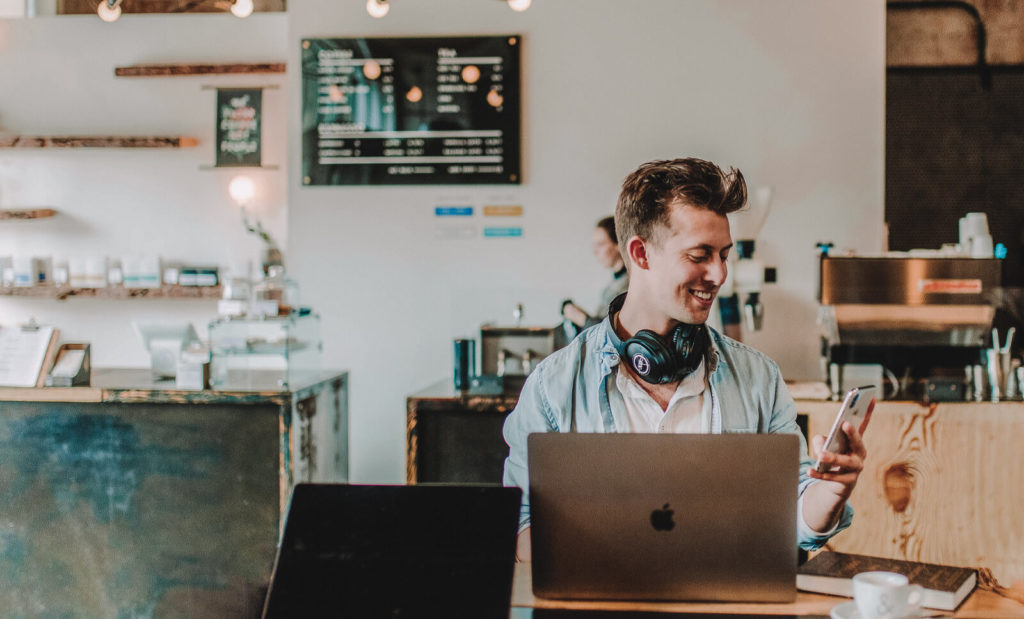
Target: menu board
{"type": "Point", "coordinates": [411, 111]}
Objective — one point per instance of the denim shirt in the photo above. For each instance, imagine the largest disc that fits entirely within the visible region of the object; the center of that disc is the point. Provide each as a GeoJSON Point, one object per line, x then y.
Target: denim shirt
{"type": "Point", "coordinates": [747, 394]}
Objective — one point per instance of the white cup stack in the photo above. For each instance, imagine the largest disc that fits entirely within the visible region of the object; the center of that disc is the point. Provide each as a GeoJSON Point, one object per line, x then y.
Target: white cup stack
{"type": "Point", "coordinates": [975, 238]}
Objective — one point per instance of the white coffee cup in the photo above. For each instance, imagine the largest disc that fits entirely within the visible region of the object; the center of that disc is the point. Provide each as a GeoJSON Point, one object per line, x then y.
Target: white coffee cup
{"type": "Point", "coordinates": [886, 595]}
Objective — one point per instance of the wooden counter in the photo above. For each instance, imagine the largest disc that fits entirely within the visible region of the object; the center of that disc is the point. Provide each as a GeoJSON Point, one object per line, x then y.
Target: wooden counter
{"type": "Point", "coordinates": [133, 498]}
{"type": "Point", "coordinates": [943, 483]}
{"type": "Point", "coordinates": [456, 437]}
{"type": "Point", "coordinates": [979, 605]}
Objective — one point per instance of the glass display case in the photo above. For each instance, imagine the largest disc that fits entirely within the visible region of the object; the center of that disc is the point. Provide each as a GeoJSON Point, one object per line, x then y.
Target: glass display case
{"type": "Point", "coordinates": [275, 352]}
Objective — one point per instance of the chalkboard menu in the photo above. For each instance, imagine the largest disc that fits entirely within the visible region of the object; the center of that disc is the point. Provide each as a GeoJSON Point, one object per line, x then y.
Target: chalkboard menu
{"type": "Point", "coordinates": [410, 111]}
{"type": "Point", "coordinates": [238, 126]}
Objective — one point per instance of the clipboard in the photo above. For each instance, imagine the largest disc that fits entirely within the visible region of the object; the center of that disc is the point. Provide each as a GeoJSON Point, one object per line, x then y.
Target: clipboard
{"type": "Point", "coordinates": [26, 354]}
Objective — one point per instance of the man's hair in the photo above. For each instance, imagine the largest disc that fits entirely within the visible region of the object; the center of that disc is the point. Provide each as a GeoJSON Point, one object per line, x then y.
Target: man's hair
{"type": "Point", "coordinates": [608, 225]}
{"type": "Point", "coordinates": [648, 193]}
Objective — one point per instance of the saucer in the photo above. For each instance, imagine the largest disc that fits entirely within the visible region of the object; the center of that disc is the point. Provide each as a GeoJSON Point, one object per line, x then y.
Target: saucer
{"type": "Point", "coordinates": [848, 610]}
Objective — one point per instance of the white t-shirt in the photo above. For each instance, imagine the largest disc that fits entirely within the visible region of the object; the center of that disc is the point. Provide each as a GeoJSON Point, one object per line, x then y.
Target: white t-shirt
{"type": "Point", "coordinates": [688, 412]}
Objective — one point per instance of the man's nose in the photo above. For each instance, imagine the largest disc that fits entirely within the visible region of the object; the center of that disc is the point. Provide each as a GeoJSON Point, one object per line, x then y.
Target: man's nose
{"type": "Point", "coordinates": [717, 270]}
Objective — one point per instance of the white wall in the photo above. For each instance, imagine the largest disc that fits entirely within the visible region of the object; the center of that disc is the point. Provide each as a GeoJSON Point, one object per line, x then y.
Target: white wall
{"type": "Point", "coordinates": [789, 91]}
{"type": "Point", "coordinates": [57, 78]}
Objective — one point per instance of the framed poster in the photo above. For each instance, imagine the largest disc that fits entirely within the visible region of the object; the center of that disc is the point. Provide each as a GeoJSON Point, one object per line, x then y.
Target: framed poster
{"type": "Point", "coordinates": [411, 111]}
{"type": "Point", "coordinates": [238, 127]}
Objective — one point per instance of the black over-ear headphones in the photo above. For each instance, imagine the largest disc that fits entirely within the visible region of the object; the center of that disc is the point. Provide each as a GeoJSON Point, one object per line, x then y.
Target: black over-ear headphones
{"type": "Point", "coordinates": [656, 359]}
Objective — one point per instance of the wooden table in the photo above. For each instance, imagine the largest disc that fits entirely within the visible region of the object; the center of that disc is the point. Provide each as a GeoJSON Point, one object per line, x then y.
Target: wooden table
{"type": "Point", "coordinates": [979, 605]}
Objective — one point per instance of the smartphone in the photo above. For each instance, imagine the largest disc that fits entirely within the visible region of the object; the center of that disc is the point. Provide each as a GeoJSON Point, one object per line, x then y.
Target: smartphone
{"type": "Point", "coordinates": [854, 409]}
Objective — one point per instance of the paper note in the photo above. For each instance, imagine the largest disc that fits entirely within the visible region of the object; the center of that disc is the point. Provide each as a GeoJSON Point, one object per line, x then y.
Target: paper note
{"type": "Point", "coordinates": [22, 352]}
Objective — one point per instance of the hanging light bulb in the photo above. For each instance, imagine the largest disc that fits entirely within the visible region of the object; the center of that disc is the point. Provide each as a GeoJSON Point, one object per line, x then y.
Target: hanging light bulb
{"type": "Point", "coordinates": [241, 8]}
{"type": "Point", "coordinates": [109, 10]}
{"type": "Point", "coordinates": [519, 5]}
{"type": "Point", "coordinates": [377, 8]}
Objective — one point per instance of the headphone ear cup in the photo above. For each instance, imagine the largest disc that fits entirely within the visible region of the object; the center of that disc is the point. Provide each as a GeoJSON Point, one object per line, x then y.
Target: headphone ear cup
{"type": "Point", "coordinates": [690, 342]}
{"type": "Point", "coordinates": [650, 358]}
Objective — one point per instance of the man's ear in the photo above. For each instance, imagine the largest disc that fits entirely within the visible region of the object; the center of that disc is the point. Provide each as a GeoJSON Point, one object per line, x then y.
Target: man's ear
{"type": "Point", "coordinates": [637, 250]}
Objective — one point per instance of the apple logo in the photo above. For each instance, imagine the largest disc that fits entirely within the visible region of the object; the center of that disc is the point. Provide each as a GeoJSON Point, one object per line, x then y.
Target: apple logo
{"type": "Point", "coordinates": [661, 519]}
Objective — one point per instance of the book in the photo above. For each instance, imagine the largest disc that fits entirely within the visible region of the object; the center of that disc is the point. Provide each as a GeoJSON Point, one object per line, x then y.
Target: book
{"type": "Point", "coordinates": [832, 573]}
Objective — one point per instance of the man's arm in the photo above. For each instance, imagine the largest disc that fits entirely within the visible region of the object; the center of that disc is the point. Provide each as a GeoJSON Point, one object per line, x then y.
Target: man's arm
{"type": "Point", "coordinates": [531, 414]}
{"type": "Point", "coordinates": [823, 511]}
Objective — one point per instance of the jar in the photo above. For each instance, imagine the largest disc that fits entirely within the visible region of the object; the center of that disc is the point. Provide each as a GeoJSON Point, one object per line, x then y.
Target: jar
{"type": "Point", "coordinates": [276, 295]}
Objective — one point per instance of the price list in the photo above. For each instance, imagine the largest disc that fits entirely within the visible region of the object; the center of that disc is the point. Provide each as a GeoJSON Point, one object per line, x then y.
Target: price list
{"type": "Point", "coordinates": [401, 111]}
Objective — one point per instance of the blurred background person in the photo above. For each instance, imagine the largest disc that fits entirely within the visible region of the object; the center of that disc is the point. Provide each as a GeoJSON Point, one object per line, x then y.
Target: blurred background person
{"type": "Point", "coordinates": [606, 250]}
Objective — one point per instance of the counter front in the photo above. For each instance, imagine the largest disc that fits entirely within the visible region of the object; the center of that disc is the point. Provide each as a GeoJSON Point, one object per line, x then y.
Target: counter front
{"type": "Point", "coordinates": [133, 498]}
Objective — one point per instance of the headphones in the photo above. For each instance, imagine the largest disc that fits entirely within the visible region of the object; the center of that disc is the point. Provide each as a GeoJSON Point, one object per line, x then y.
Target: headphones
{"type": "Point", "coordinates": [656, 359]}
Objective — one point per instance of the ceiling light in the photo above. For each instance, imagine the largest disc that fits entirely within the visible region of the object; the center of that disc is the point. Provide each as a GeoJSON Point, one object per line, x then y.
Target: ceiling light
{"type": "Point", "coordinates": [377, 8]}
{"type": "Point", "coordinates": [519, 5]}
{"type": "Point", "coordinates": [109, 10]}
{"type": "Point", "coordinates": [241, 8]}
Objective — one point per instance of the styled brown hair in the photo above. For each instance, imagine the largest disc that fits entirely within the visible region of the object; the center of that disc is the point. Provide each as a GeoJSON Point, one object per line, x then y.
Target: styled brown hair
{"type": "Point", "coordinates": [649, 191]}
{"type": "Point", "coordinates": [608, 225]}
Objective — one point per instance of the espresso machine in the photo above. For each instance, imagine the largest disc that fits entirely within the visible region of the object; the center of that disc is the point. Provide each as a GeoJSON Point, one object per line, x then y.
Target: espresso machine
{"type": "Point", "coordinates": [920, 321]}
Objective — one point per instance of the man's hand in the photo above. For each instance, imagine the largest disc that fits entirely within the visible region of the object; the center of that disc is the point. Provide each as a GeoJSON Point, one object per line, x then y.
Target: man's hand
{"type": "Point", "coordinates": [574, 314]}
{"type": "Point", "coordinates": [523, 545]}
{"type": "Point", "coordinates": [824, 502]}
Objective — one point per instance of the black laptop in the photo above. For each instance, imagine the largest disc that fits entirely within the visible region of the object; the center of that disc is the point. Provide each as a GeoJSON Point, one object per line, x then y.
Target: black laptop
{"type": "Point", "coordinates": [396, 552]}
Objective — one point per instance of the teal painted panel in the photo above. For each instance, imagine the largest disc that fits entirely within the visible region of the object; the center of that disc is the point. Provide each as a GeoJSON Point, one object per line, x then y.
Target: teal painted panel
{"type": "Point", "coordinates": [136, 510]}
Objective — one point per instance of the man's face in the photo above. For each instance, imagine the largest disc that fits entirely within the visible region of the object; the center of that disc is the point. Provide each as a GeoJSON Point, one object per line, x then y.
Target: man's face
{"type": "Point", "coordinates": [687, 262]}
{"type": "Point", "coordinates": [606, 252]}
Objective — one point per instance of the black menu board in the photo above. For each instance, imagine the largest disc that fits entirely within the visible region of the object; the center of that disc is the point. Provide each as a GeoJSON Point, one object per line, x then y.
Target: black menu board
{"type": "Point", "coordinates": [410, 111]}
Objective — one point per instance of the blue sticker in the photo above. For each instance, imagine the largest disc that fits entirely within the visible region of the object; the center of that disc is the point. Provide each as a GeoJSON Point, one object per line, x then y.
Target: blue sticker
{"type": "Point", "coordinates": [453, 211]}
{"type": "Point", "coordinates": [503, 232]}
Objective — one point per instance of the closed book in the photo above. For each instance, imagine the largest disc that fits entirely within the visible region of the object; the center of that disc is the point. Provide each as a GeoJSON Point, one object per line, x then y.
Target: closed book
{"type": "Point", "coordinates": [832, 573]}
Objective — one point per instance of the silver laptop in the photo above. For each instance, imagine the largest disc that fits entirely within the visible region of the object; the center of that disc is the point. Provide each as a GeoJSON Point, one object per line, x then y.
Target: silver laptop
{"type": "Point", "coordinates": [664, 516]}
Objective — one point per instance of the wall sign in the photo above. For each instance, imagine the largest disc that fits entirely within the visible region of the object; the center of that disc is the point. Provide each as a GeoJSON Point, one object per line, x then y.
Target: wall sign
{"type": "Point", "coordinates": [238, 127]}
{"type": "Point", "coordinates": [410, 111]}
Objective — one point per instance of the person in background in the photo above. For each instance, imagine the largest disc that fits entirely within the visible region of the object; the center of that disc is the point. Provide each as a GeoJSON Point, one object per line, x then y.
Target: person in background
{"type": "Point", "coordinates": [653, 365]}
{"type": "Point", "coordinates": [606, 250]}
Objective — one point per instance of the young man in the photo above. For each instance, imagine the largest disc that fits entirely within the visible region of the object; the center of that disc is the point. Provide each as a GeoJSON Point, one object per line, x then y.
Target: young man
{"type": "Point", "coordinates": [653, 365]}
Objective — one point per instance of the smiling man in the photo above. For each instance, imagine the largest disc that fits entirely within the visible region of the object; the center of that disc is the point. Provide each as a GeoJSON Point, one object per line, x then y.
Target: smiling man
{"type": "Point", "coordinates": [653, 365]}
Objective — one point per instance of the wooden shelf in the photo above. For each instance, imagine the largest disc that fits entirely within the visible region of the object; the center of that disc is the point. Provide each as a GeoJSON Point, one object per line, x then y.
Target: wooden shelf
{"type": "Point", "coordinates": [26, 213]}
{"type": "Point", "coordinates": [114, 292]}
{"type": "Point", "coordinates": [166, 70]}
{"type": "Point", "coordinates": [96, 141]}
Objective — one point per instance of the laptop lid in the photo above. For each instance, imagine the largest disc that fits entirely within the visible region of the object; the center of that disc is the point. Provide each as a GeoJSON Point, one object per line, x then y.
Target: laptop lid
{"type": "Point", "coordinates": [664, 516]}
{"type": "Point", "coordinates": [396, 551]}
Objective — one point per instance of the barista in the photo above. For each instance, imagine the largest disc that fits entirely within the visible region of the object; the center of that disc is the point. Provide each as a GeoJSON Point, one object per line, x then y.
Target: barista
{"type": "Point", "coordinates": [606, 250]}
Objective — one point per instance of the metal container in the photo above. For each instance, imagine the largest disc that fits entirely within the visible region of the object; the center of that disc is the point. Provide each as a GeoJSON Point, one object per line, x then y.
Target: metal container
{"type": "Point", "coordinates": [514, 351]}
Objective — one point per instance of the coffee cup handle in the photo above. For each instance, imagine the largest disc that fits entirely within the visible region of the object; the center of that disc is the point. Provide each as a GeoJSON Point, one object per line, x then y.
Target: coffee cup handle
{"type": "Point", "coordinates": [915, 595]}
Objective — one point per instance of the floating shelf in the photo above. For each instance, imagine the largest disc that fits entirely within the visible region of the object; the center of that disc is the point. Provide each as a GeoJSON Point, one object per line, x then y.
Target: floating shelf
{"type": "Point", "coordinates": [114, 292]}
{"type": "Point", "coordinates": [26, 213]}
{"type": "Point", "coordinates": [96, 141]}
{"type": "Point", "coordinates": [165, 70]}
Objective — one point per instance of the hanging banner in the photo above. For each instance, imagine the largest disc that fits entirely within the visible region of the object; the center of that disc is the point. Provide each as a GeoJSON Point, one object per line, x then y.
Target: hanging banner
{"type": "Point", "coordinates": [238, 127]}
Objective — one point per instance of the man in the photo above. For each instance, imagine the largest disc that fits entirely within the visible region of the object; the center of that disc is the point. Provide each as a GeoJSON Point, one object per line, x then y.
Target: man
{"type": "Point", "coordinates": [674, 235]}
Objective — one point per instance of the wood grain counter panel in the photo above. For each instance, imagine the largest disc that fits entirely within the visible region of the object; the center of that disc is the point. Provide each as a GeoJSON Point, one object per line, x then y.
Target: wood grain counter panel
{"type": "Point", "coordinates": [942, 484]}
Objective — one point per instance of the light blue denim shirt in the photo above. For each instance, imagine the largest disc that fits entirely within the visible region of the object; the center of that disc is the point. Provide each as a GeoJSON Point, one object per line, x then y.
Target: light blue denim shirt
{"type": "Point", "coordinates": [747, 393]}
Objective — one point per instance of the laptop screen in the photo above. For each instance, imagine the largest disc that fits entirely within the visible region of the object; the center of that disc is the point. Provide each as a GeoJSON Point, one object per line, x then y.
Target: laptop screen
{"type": "Point", "coordinates": [396, 551]}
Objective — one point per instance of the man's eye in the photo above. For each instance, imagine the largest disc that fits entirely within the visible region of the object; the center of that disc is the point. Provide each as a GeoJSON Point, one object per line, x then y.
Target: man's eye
{"type": "Point", "coordinates": [699, 257]}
